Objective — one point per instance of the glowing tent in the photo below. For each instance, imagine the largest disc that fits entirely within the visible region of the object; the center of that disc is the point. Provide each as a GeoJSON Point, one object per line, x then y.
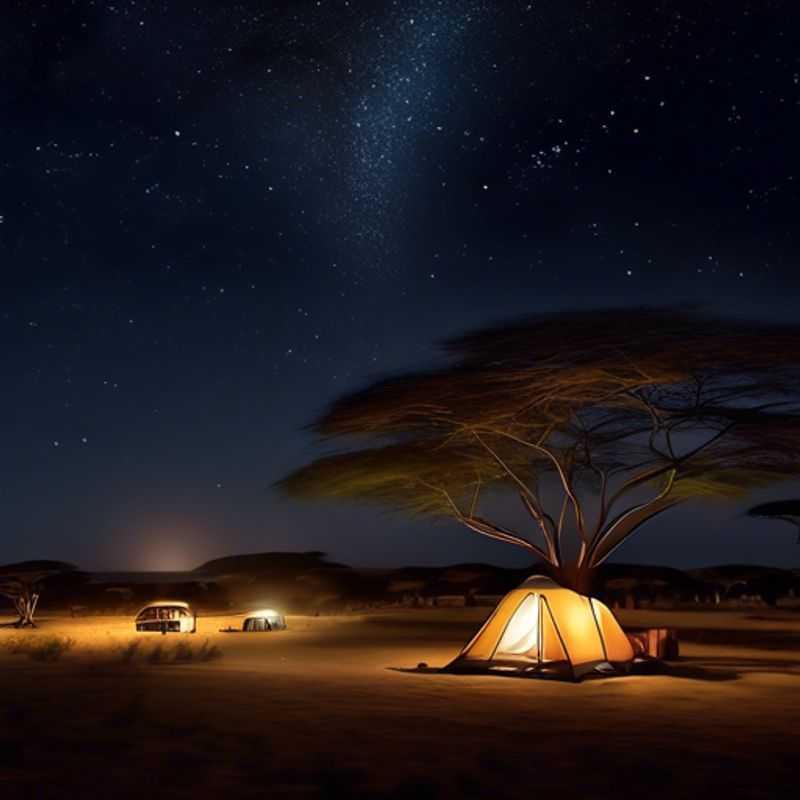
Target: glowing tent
{"type": "Point", "coordinates": [542, 629]}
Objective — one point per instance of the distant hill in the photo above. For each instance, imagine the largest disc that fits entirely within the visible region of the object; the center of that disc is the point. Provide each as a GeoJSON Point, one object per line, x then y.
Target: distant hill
{"type": "Point", "coordinates": [256, 563]}
{"type": "Point", "coordinates": [38, 566]}
{"type": "Point", "coordinates": [311, 574]}
{"type": "Point", "coordinates": [735, 573]}
{"type": "Point", "coordinates": [645, 574]}
{"type": "Point", "coordinates": [307, 582]}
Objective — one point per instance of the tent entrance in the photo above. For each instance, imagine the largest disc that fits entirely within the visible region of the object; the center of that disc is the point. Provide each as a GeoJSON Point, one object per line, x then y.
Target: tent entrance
{"type": "Point", "coordinates": [531, 636]}
{"type": "Point", "coordinates": [521, 638]}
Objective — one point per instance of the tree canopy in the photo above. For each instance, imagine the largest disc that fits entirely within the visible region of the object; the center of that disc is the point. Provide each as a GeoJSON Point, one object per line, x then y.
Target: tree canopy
{"type": "Point", "coordinates": [784, 510]}
{"type": "Point", "coordinates": [593, 421]}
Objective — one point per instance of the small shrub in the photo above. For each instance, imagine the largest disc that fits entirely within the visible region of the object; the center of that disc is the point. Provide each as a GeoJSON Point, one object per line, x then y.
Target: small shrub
{"type": "Point", "coordinates": [50, 649]}
{"type": "Point", "coordinates": [208, 652]}
{"type": "Point", "coordinates": [157, 654]}
{"type": "Point", "coordinates": [182, 652]}
{"type": "Point", "coordinates": [129, 651]}
{"type": "Point", "coordinates": [17, 644]}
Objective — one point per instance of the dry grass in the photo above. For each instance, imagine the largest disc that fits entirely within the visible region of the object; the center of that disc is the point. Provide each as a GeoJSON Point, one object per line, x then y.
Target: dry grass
{"type": "Point", "coordinates": [137, 651]}
{"type": "Point", "coordinates": [318, 712]}
{"type": "Point", "coordinates": [87, 647]}
{"type": "Point", "coordinates": [47, 648]}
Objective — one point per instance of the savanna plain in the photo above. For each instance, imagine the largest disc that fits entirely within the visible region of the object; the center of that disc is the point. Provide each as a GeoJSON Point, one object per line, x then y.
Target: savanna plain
{"type": "Point", "coordinates": [334, 707]}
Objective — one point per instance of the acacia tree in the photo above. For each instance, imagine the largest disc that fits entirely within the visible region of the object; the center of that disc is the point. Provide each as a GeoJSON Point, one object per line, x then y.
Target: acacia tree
{"type": "Point", "coordinates": [784, 510]}
{"type": "Point", "coordinates": [22, 584]}
{"type": "Point", "coordinates": [595, 422]}
{"type": "Point", "coordinates": [23, 590]}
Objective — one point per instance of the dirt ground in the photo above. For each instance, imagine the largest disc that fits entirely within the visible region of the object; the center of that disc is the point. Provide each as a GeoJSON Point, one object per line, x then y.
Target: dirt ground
{"type": "Point", "coordinates": [325, 710]}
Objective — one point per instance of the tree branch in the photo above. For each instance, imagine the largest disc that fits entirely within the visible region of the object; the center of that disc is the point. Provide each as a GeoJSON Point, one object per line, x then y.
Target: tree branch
{"type": "Point", "coordinates": [487, 528]}
{"type": "Point", "coordinates": [529, 499]}
{"type": "Point", "coordinates": [561, 473]}
{"type": "Point", "coordinates": [618, 531]}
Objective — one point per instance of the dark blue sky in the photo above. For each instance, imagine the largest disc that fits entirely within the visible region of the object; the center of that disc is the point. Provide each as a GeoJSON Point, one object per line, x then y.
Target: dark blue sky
{"type": "Point", "coordinates": [214, 218]}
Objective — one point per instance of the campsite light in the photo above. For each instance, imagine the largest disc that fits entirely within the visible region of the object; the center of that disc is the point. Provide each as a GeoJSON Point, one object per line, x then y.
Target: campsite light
{"type": "Point", "coordinates": [266, 619]}
{"type": "Point", "coordinates": [265, 612]}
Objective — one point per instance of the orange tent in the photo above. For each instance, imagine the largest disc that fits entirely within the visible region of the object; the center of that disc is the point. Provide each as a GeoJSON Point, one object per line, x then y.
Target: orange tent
{"type": "Point", "coordinates": [541, 628]}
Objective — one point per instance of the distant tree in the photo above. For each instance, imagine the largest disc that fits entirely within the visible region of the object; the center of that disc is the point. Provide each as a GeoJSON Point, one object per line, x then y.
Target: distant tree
{"type": "Point", "coordinates": [784, 510]}
{"type": "Point", "coordinates": [23, 591]}
{"type": "Point", "coordinates": [22, 584]}
{"type": "Point", "coordinates": [596, 422]}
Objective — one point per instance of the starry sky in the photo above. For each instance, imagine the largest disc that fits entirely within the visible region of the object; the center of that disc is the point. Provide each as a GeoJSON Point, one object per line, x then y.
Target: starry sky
{"type": "Point", "coordinates": [217, 217]}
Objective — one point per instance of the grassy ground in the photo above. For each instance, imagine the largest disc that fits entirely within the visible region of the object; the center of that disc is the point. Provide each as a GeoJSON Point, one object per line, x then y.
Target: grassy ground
{"type": "Point", "coordinates": [324, 710]}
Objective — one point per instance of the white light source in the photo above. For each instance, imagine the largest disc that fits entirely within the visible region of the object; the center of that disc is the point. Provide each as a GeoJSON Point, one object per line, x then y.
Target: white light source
{"type": "Point", "coordinates": [521, 637]}
{"type": "Point", "coordinates": [265, 612]}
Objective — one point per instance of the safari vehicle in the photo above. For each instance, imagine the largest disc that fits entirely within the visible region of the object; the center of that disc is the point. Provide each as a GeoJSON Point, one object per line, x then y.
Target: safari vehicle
{"type": "Point", "coordinates": [167, 616]}
{"type": "Point", "coordinates": [265, 620]}
{"type": "Point", "coordinates": [259, 622]}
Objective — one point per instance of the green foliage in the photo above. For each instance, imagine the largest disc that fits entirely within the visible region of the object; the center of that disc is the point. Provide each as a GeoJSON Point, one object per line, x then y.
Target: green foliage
{"type": "Point", "coordinates": [406, 476]}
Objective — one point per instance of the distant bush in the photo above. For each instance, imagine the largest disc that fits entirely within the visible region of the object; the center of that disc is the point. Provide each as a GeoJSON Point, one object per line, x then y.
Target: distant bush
{"type": "Point", "coordinates": [50, 648]}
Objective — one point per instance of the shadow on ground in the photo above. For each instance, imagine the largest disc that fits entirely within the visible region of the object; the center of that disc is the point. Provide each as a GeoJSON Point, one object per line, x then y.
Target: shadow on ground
{"type": "Point", "coordinates": [676, 669]}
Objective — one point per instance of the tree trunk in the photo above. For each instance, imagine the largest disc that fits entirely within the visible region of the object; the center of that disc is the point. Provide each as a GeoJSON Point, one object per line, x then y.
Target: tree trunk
{"type": "Point", "coordinates": [26, 608]}
{"type": "Point", "coordinates": [579, 578]}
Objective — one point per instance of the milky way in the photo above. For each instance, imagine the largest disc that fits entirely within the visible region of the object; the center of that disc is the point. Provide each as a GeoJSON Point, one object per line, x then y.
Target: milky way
{"type": "Point", "coordinates": [216, 217]}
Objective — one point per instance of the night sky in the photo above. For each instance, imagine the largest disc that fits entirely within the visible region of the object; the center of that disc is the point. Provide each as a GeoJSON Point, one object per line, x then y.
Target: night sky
{"type": "Point", "coordinates": [216, 217]}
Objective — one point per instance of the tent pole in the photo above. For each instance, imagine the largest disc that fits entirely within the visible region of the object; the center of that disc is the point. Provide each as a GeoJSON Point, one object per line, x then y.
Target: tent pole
{"type": "Point", "coordinates": [539, 632]}
{"type": "Point", "coordinates": [558, 633]}
{"type": "Point", "coordinates": [599, 632]}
